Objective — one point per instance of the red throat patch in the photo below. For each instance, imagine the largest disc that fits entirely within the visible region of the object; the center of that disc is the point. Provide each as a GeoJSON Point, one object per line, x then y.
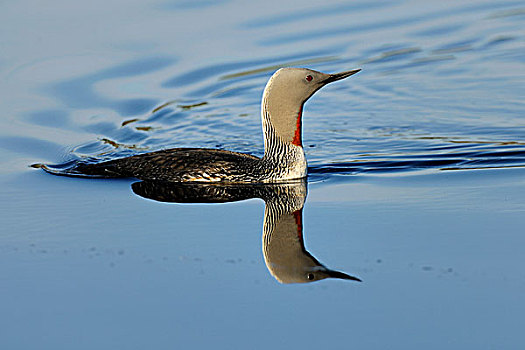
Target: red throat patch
{"type": "Point", "coordinates": [297, 139]}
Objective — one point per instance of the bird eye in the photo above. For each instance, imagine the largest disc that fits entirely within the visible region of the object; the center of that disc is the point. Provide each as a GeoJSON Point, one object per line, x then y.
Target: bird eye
{"type": "Point", "coordinates": [309, 78]}
{"type": "Point", "coordinates": [310, 276]}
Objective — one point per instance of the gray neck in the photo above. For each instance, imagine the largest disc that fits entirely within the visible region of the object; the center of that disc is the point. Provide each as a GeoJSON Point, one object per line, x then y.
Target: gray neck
{"type": "Point", "coordinates": [280, 154]}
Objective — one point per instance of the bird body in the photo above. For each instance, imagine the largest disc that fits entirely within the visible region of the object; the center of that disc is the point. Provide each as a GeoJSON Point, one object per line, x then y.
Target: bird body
{"type": "Point", "coordinates": [284, 159]}
{"type": "Point", "coordinates": [195, 164]}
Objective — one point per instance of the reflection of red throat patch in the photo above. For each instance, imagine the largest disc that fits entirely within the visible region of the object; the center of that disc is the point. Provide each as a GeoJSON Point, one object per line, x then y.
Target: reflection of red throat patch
{"type": "Point", "coordinates": [297, 136]}
{"type": "Point", "coordinates": [298, 215]}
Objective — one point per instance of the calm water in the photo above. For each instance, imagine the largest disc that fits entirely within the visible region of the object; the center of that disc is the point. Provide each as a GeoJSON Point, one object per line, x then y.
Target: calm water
{"type": "Point", "coordinates": [417, 180]}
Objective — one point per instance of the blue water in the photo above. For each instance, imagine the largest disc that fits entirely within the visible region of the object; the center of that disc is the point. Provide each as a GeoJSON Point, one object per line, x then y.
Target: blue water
{"type": "Point", "coordinates": [416, 170]}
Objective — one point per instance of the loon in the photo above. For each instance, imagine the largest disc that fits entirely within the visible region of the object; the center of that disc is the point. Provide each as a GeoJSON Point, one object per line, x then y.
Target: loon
{"type": "Point", "coordinates": [284, 159]}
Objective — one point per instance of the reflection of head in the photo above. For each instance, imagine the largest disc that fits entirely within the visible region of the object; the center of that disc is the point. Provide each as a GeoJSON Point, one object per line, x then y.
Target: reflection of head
{"type": "Point", "coordinates": [283, 246]}
{"type": "Point", "coordinates": [284, 253]}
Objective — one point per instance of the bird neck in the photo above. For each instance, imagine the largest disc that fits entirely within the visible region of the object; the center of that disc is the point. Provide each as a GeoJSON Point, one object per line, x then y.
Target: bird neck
{"type": "Point", "coordinates": [282, 128]}
{"type": "Point", "coordinates": [284, 159]}
{"type": "Point", "coordinates": [281, 121]}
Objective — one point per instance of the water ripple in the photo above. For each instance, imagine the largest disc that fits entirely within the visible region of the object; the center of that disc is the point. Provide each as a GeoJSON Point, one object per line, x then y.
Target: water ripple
{"type": "Point", "coordinates": [440, 89]}
{"type": "Point", "coordinates": [80, 92]}
{"type": "Point", "coordinates": [321, 11]}
{"type": "Point", "coordinates": [500, 157]}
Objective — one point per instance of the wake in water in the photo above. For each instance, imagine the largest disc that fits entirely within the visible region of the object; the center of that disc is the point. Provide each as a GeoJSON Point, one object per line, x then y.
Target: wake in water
{"type": "Point", "coordinates": [475, 158]}
{"type": "Point", "coordinates": [467, 157]}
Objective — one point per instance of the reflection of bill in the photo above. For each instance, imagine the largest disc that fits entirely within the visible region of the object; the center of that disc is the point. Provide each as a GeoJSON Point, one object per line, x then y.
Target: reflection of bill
{"type": "Point", "coordinates": [283, 246]}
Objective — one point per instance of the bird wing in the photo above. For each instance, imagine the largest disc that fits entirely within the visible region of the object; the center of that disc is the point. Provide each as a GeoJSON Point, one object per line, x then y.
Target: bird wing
{"type": "Point", "coordinates": [177, 164]}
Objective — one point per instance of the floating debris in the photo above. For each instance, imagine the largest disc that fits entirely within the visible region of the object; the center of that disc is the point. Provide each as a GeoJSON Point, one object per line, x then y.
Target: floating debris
{"type": "Point", "coordinates": [129, 121]}
{"type": "Point", "coordinates": [186, 107]}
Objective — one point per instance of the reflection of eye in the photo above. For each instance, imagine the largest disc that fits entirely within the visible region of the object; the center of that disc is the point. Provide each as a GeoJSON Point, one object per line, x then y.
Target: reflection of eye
{"type": "Point", "coordinates": [310, 276]}
{"type": "Point", "coordinates": [309, 78]}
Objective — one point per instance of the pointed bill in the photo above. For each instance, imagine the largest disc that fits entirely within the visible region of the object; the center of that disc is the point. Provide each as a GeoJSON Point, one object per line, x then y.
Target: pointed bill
{"type": "Point", "coordinates": [338, 76]}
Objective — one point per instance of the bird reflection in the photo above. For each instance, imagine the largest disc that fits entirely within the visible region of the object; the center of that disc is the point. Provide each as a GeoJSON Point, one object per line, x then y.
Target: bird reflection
{"type": "Point", "coordinates": [283, 246]}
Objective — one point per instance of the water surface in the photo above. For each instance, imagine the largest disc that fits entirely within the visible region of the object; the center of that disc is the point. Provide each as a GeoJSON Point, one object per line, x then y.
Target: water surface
{"type": "Point", "coordinates": [416, 175]}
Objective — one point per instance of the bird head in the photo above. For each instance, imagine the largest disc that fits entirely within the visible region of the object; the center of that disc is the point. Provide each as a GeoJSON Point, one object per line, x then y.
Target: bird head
{"type": "Point", "coordinates": [285, 94]}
